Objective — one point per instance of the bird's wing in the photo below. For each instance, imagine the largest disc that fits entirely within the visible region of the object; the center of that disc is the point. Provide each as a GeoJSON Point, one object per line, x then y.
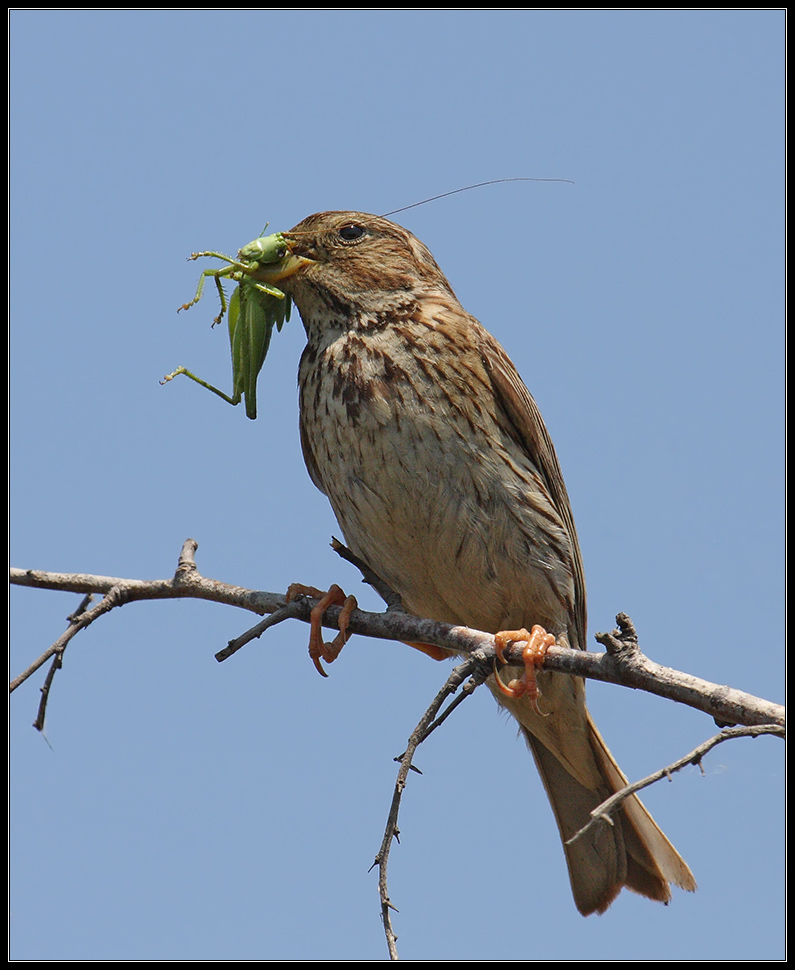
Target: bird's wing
{"type": "Point", "coordinates": [529, 429]}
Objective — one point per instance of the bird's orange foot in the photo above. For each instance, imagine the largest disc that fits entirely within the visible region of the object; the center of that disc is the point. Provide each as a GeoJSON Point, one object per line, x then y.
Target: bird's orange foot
{"type": "Point", "coordinates": [318, 650]}
{"type": "Point", "coordinates": [536, 642]}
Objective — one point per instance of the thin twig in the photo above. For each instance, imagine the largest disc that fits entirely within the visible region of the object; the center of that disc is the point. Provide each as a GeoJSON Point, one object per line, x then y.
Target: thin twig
{"type": "Point", "coordinates": [291, 611]}
{"type": "Point", "coordinates": [472, 666]}
{"type": "Point", "coordinates": [57, 663]}
{"type": "Point", "coordinates": [603, 813]}
{"type": "Point", "coordinates": [388, 595]}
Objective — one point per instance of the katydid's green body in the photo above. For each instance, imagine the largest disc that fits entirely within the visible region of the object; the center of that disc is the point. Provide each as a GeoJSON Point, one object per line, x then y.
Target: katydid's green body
{"type": "Point", "coordinates": [253, 311]}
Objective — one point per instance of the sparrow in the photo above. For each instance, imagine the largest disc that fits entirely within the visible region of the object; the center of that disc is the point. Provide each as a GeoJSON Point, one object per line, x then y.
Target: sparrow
{"type": "Point", "coordinates": [444, 480]}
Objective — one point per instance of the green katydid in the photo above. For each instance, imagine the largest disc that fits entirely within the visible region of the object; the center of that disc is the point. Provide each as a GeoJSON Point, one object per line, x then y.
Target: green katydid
{"type": "Point", "coordinates": [253, 311]}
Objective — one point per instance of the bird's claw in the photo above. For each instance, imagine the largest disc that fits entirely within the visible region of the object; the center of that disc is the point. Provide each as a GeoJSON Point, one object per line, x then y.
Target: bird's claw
{"type": "Point", "coordinates": [335, 596]}
{"type": "Point", "coordinates": [536, 642]}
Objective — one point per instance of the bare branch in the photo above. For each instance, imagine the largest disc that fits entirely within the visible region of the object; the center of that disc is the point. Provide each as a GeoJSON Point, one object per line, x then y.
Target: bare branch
{"type": "Point", "coordinates": [603, 813]}
{"type": "Point", "coordinates": [479, 667]}
{"type": "Point", "coordinates": [622, 664]}
{"type": "Point", "coordinates": [57, 663]}
{"type": "Point", "coordinates": [292, 611]}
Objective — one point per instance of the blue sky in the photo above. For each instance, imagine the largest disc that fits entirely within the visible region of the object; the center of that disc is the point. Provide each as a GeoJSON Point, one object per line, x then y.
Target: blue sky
{"type": "Point", "coordinates": [188, 810]}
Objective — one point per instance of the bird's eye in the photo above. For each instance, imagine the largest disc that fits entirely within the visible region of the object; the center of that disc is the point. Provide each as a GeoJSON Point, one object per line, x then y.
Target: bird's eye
{"type": "Point", "coordinates": [351, 232]}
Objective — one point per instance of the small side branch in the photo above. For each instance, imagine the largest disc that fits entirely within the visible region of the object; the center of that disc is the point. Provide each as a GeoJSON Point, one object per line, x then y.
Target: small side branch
{"type": "Point", "coordinates": [603, 813]}
{"type": "Point", "coordinates": [476, 667]}
{"type": "Point", "coordinates": [57, 663]}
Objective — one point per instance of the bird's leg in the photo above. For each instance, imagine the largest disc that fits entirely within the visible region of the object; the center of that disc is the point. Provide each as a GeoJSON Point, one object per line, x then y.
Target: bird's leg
{"type": "Point", "coordinates": [536, 642]}
{"type": "Point", "coordinates": [318, 650]}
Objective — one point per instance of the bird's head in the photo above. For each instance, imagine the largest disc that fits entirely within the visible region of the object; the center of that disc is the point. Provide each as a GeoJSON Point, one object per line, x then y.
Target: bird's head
{"type": "Point", "coordinates": [351, 263]}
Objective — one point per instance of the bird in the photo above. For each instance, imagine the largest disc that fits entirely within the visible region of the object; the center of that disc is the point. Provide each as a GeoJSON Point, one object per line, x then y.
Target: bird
{"type": "Point", "coordinates": [443, 477]}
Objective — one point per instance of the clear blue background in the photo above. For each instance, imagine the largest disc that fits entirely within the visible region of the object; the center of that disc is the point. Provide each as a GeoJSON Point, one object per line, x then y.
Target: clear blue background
{"type": "Point", "coordinates": [186, 810]}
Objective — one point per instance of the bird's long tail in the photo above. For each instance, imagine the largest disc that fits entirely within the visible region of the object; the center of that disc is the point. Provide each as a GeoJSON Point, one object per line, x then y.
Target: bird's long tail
{"type": "Point", "coordinates": [632, 852]}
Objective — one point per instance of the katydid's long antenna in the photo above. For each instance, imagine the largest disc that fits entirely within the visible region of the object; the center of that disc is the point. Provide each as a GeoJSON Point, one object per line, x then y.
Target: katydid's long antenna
{"type": "Point", "coordinates": [477, 185]}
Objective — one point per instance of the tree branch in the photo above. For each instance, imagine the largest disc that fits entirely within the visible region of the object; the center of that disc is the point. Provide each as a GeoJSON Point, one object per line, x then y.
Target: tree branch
{"type": "Point", "coordinates": [623, 663]}
{"type": "Point", "coordinates": [603, 813]}
{"type": "Point", "coordinates": [479, 666]}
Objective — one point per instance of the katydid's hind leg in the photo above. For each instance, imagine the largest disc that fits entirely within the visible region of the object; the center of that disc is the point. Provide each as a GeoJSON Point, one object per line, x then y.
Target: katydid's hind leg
{"type": "Point", "coordinates": [184, 370]}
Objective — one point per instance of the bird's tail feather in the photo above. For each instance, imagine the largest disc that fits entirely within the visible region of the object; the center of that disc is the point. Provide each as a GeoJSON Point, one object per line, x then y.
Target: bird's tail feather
{"type": "Point", "coordinates": [632, 852]}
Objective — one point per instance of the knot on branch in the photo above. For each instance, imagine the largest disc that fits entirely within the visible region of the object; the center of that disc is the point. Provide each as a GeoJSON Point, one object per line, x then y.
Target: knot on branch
{"type": "Point", "coordinates": [186, 566]}
{"type": "Point", "coordinates": [117, 596]}
{"type": "Point", "coordinates": [622, 643]}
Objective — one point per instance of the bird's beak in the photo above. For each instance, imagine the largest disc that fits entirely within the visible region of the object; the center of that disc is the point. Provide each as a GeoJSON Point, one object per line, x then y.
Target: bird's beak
{"type": "Point", "coordinates": [287, 266]}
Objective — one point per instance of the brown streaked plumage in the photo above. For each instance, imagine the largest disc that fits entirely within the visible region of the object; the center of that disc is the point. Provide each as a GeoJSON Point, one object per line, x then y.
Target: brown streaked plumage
{"type": "Point", "coordinates": [443, 477]}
